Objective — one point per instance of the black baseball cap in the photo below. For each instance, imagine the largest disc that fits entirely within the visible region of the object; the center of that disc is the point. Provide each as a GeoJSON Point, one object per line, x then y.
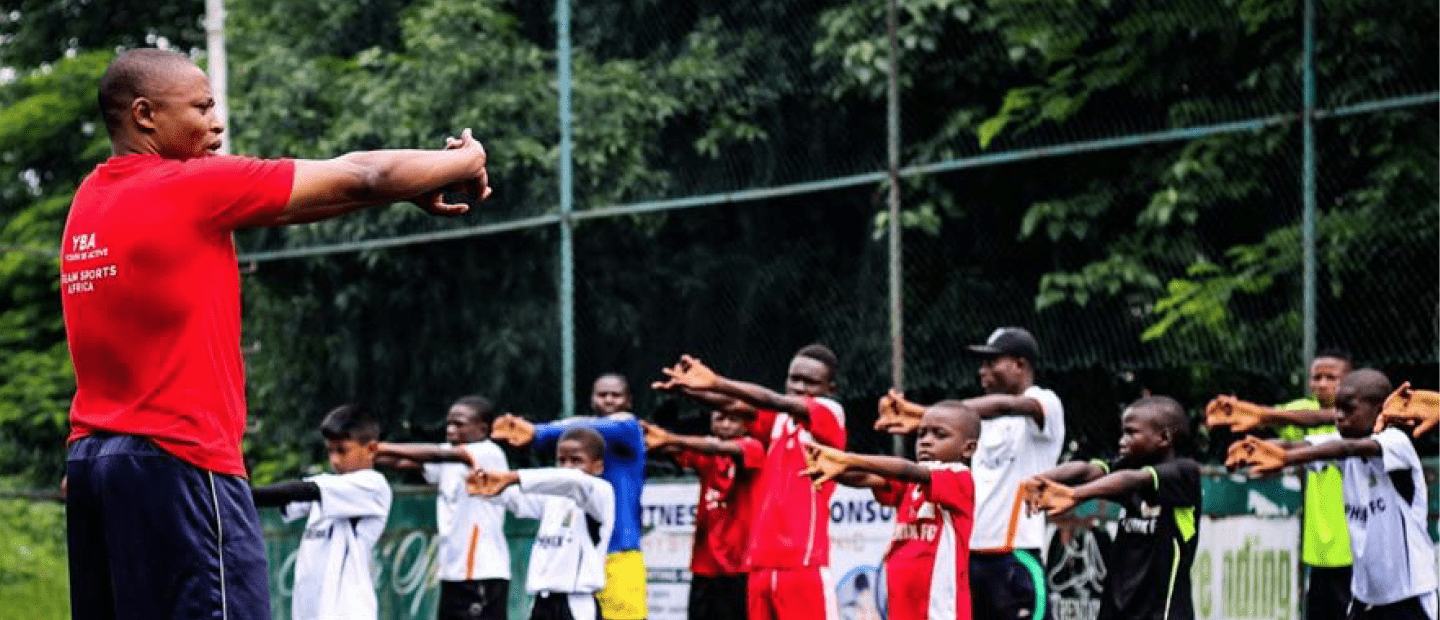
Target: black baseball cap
{"type": "Point", "coordinates": [1014, 341]}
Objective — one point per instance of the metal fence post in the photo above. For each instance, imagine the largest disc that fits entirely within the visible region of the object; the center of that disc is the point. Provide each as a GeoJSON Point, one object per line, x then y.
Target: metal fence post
{"type": "Point", "coordinates": [567, 205]}
{"type": "Point", "coordinates": [892, 139]}
{"type": "Point", "coordinates": [1308, 183]}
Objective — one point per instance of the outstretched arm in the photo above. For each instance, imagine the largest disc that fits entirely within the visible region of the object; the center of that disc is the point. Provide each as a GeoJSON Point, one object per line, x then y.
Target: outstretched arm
{"type": "Point", "coordinates": [826, 463]}
{"type": "Point", "coordinates": [1242, 416]}
{"type": "Point", "coordinates": [1076, 472]}
{"type": "Point", "coordinates": [1407, 406]}
{"type": "Point", "coordinates": [1269, 457]}
{"type": "Point", "coordinates": [657, 438]}
{"type": "Point", "coordinates": [283, 493]}
{"type": "Point", "coordinates": [328, 188]}
{"type": "Point", "coordinates": [422, 453]}
{"type": "Point", "coordinates": [992, 405]}
{"type": "Point", "coordinates": [710, 399]}
{"type": "Point", "coordinates": [691, 373]}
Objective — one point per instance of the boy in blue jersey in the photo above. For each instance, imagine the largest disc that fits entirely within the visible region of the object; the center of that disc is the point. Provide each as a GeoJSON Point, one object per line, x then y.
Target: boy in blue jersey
{"type": "Point", "coordinates": [624, 595]}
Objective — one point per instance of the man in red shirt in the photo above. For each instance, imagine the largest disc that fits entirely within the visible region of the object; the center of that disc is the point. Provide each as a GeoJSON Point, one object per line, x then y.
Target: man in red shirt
{"type": "Point", "coordinates": [160, 518]}
{"type": "Point", "coordinates": [789, 557]}
{"type": "Point", "coordinates": [727, 464]}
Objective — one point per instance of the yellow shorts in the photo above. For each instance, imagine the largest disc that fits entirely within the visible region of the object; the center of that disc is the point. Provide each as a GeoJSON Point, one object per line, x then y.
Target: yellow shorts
{"type": "Point", "coordinates": [624, 595]}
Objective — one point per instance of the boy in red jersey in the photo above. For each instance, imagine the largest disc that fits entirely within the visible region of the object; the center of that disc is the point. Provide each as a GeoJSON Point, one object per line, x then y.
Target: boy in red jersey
{"type": "Point", "coordinates": [788, 559]}
{"type": "Point", "coordinates": [151, 294]}
{"type": "Point", "coordinates": [928, 564]}
{"type": "Point", "coordinates": [727, 464]}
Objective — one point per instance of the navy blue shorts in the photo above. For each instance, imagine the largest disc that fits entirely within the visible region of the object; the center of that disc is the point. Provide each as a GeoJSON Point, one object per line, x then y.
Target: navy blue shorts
{"type": "Point", "coordinates": [154, 537]}
{"type": "Point", "coordinates": [1009, 585]}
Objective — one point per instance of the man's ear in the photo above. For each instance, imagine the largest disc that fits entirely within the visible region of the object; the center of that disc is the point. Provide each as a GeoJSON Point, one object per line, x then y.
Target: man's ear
{"type": "Point", "coordinates": [142, 112]}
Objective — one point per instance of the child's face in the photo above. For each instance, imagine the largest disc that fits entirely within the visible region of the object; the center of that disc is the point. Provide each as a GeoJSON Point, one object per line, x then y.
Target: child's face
{"type": "Point", "coordinates": [808, 377]}
{"type": "Point", "coordinates": [609, 395]}
{"type": "Point", "coordinates": [1325, 375]}
{"type": "Point", "coordinates": [462, 425]}
{"type": "Point", "coordinates": [726, 426]}
{"type": "Point", "coordinates": [347, 455]}
{"type": "Point", "coordinates": [1142, 438]}
{"type": "Point", "coordinates": [942, 437]}
{"type": "Point", "coordinates": [573, 455]}
{"type": "Point", "coordinates": [1354, 417]}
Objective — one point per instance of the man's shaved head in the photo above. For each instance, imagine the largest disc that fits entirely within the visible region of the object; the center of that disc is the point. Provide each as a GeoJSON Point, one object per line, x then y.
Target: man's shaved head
{"type": "Point", "coordinates": [134, 74]}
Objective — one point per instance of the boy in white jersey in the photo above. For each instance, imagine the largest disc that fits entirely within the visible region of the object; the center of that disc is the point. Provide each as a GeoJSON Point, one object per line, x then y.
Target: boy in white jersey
{"type": "Point", "coordinates": [346, 513]}
{"type": "Point", "coordinates": [473, 561]}
{"type": "Point", "coordinates": [1022, 432]}
{"type": "Point", "coordinates": [1385, 500]}
{"type": "Point", "coordinates": [576, 509]}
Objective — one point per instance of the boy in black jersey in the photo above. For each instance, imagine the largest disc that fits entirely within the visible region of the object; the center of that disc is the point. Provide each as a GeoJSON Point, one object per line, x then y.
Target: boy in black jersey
{"type": "Point", "coordinates": [1149, 565]}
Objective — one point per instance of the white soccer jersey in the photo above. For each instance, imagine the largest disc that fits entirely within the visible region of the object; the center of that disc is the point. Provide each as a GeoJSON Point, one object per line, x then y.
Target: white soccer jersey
{"type": "Point", "coordinates": [472, 538]}
{"type": "Point", "coordinates": [577, 515]}
{"type": "Point", "coordinates": [332, 566]}
{"type": "Point", "coordinates": [1011, 449]}
{"type": "Point", "coordinates": [1394, 558]}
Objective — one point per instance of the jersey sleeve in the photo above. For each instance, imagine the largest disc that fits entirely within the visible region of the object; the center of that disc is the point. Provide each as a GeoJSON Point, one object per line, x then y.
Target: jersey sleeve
{"type": "Point", "coordinates": [240, 192]}
{"type": "Point", "coordinates": [547, 435]}
{"type": "Point", "coordinates": [623, 438]}
{"type": "Point", "coordinates": [488, 456]}
{"type": "Point", "coordinates": [1396, 450]}
{"type": "Point", "coordinates": [827, 422]}
{"type": "Point", "coordinates": [1054, 429]}
{"type": "Point", "coordinates": [761, 427]}
{"type": "Point", "coordinates": [520, 504]}
{"type": "Point", "coordinates": [1177, 482]}
{"type": "Point", "coordinates": [952, 488]}
{"type": "Point", "coordinates": [357, 494]}
{"type": "Point", "coordinates": [891, 494]}
{"type": "Point", "coordinates": [752, 453]}
{"type": "Point", "coordinates": [295, 510]}
{"type": "Point", "coordinates": [594, 495]}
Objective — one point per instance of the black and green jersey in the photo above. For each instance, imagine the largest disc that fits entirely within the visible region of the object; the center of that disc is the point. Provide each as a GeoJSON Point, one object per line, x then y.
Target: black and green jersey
{"type": "Point", "coordinates": [1148, 572]}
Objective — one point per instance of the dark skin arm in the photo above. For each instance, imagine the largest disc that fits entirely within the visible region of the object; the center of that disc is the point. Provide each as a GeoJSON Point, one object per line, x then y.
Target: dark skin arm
{"type": "Point", "coordinates": [421, 453]}
{"type": "Point", "coordinates": [992, 405]}
{"type": "Point", "coordinates": [860, 470]}
{"type": "Point", "coordinates": [1041, 493]}
{"type": "Point", "coordinates": [1299, 452]}
{"type": "Point", "coordinates": [1074, 472]}
{"type": "Point", "coordinates": [710, 399]}
{"type": "Point", "coordinates": [691, 373]}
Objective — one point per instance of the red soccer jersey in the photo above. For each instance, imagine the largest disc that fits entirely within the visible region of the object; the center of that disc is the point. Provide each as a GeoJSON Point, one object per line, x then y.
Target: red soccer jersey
{"type": "Point", "coordinates": [151, 294]}
{"type": "Point", "coordinates": [795, 515]}
{"type": "Point", "coordinates": [927, 569]}
{"type": "Point", "coordinates": [722, 520]}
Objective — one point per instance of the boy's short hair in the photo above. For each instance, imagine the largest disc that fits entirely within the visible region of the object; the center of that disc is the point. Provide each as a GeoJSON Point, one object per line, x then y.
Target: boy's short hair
{"type": "Point", "coordinates": [483, 410]}
{"type": "Point", "coordinates": [822, 354]}
{"type": "Point", "coordinates": [350, 422]}
{"type": "Point", "coordinates": [1371, 386]}
{"type": "Point", "coordinates": [1171, 416]}
{"type": "Point", "coordinates": [969, 419]}
{"type": "Point", "coordinates": [588, 438]}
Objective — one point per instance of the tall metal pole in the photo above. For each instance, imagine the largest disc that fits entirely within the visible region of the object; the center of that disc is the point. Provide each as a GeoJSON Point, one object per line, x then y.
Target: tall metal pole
{"type": "Point", "coordinates": [215, 60]}
{"type": "Point", "coordinates": [567, 205]}
{"type": "Point", "coordinates": [892, 139]}
{"type": "Point", "coordinates": [1308, 309]}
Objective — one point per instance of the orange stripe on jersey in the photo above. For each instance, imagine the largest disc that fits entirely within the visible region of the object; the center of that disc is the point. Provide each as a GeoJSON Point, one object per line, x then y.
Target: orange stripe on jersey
{"type": "Point", "coordinates": [470, 556]}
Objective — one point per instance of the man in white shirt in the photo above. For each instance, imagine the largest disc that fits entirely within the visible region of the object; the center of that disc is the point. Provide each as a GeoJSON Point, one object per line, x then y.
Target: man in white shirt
{"type": "Point", "coordinates": [473, 560]}
{"type": "Point", "coordinates": [1022, 431]}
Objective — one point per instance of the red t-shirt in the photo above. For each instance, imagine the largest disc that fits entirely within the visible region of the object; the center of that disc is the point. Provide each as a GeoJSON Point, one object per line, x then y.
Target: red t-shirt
{"type": "Point", "coordinates": [927, 569]}
{"type": "Point", "coordinates": [722, 521]}
{"type": "Point", "coordinates": [796, 515]}
{"type": "Point", "coordinates": [151, 293]}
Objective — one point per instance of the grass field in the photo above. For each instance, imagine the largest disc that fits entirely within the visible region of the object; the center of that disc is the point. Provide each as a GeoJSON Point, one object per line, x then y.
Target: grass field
{"type": "Point", "coordinates": [33, 574]}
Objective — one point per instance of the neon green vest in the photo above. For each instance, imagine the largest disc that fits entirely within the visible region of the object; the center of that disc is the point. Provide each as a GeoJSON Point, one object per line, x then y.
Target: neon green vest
{"type": "Point", "coordinates": [1326, 541]}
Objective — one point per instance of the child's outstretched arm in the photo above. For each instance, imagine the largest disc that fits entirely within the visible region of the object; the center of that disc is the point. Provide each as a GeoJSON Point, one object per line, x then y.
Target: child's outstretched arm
{"type": "Point", "coordinates": [710, 399]}
{"type": "Point", "coordinates": [1407, 406]}
{"type": "Point", "coordinates": [1269, 457]}
{"type": "Point", "coordinates": [398, 454]}
{"type": "Point", "coordinates": [897, 415]}
{"type": "Point", "coordinates": [1075, 472]}
{"type": "Point", "coordinates": [657, 438]}
{"type": "Point", "coordinates": [1044, 494]}
{"type": "Point", "coordinates": [691, 373]}
{"type": "Point", "coordinates": [1242, 416]}
{"type": "Point", "coordinates": [282, 493]}
{"type": "Point", "coordinates": [859, 470]}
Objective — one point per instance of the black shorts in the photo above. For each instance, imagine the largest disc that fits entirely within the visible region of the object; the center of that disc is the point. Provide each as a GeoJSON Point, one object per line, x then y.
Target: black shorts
{"type": "Point", "coordinates": [718, 597]}
{"type": "Point", "coordinates": [1327, 593]}
{"type": "Point", "coordinates": [1009, 585]}
{"type": "Point", "coordinates": [561, 606]}
{"type": "Point", "coordinates": [1413, 608]}
{"type": "Point", "coordinates": [481, 599]}
{"type": "Point", "coordinates": [152, 537]}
